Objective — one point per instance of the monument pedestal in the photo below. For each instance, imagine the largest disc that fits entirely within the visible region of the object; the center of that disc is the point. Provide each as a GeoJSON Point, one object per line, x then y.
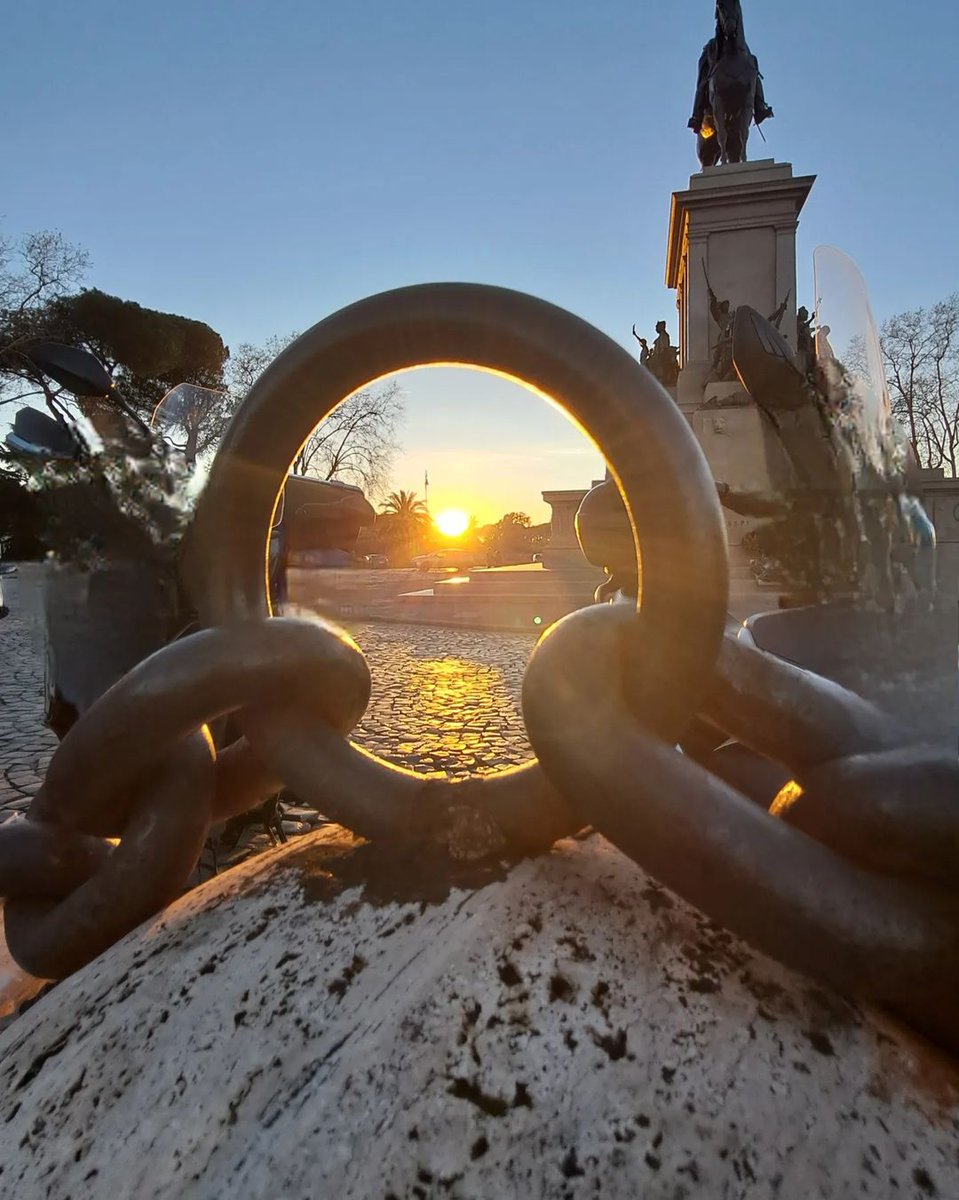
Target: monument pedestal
{"type": "Point", "coordinates": [738, 225]}
{"type": "Point", "coordinates": [739, 442]}
{"type": "Point", "coordinates": [734, 229]}
{"type": "Point", "coordinates": [563, 551]}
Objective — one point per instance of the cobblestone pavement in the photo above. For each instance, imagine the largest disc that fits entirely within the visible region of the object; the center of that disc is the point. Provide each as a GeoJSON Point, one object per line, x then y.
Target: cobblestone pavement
{"type": "Point", "coordinates": [444, 700]}
{"type": "Point", "coordinates": [26, 745]}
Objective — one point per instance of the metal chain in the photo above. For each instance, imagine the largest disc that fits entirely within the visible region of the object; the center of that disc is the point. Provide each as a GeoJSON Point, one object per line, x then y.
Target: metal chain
{"type": "Point", "coordinates": [68, 894]}
{"type": "Point", "coordinates": [854, 883]}
{"type": "Point", "coordinates": [851, 876]}
{"type": "Point", "coordinates": [846, 878]}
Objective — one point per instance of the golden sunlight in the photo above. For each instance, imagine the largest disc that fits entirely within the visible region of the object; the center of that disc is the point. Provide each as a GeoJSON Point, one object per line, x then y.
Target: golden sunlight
{"type": "Point", "coordinates": [452, 522]}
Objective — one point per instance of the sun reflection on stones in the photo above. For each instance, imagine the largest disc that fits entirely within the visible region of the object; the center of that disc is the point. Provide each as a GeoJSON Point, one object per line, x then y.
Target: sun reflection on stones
{"type": "Point", "coordinates": [444, 700]}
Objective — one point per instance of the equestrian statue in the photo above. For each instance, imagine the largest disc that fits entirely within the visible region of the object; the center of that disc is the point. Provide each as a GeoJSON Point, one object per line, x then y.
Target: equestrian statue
{"type": "Point", "coordinates": [729, 91]}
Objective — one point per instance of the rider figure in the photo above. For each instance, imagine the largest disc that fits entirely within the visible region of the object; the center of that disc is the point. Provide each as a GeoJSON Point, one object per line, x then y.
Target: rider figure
{"type": "Point", "coordinates": [707, 63]}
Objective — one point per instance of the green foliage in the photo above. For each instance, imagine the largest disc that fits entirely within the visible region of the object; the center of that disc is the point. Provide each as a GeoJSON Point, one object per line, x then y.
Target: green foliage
{"type": "Point", "coordinates": [510, 536]}
{"type": "Point", "coordinates": [145, 343]}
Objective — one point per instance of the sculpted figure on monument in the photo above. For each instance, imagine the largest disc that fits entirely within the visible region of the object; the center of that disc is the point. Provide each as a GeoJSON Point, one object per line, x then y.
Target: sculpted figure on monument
{"type": "Point", "coordinates": [723, 313]}
{"type": "Point", "coordinates": [729, 91]}
{"type": "Point", "coordinates": [805, 342]}
{"type": "Point", "coordinates": [663, 360]}
{"type": "Point", "coordinates": [643, 348]}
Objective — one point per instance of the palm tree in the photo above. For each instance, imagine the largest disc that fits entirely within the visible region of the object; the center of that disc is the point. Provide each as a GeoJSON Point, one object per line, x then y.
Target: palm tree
{"type": "Point", "coordinates": [406, 522]}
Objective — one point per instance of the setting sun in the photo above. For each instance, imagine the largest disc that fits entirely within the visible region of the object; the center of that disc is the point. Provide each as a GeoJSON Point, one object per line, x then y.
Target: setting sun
{"type": "Point", "coordinates": [452, 522]}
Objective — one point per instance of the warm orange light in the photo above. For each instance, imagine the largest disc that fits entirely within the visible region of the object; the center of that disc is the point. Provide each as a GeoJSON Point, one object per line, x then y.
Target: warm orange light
{"type": "Point", "coordinates": [452, 522]}
{"type": "Point", "coordinates": [789, 794]}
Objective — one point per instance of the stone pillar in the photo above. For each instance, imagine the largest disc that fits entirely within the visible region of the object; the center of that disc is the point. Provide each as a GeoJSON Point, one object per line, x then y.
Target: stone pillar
{"type": "Point", "coordinates": [563, 549]}
{"type": "Point", "coordinates": [740, 221]}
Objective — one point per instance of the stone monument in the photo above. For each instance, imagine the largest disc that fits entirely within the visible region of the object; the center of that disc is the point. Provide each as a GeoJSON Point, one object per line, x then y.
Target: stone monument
{"type": "Point", "coordinates": [732, 241]}
{"type": "Point", "coordinates": [729, 91]}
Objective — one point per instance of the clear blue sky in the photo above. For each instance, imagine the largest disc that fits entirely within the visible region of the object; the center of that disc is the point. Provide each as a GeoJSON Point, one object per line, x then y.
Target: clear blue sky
{"type": "Point", "coordinates": [259, 164]}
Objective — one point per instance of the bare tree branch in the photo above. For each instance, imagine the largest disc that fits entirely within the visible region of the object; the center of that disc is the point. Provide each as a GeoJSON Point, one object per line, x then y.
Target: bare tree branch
{"type": "Point", "coordinates": [356, 443]}
{"type": "Point", "coordinates": [921, 353]}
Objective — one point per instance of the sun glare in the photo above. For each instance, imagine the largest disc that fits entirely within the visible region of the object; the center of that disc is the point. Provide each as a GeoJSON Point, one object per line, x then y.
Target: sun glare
{"type": "Point", "coordinates": [452, 522]}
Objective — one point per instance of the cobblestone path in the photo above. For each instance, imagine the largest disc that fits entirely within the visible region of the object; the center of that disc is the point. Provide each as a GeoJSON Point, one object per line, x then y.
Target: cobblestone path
{"type": "Point", "coordinates": [444, 700]}
{"type": "Point", "coordinates": [25, 743]}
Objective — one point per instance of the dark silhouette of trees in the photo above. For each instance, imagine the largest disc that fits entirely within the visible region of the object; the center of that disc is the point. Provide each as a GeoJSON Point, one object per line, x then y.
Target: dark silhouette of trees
{"type": "Point", "coordinates": [355, 444]}
{"type": "Point", "coordinates": [403, 524]}
{"type": "Point", "coordinates": [36, 271]}
{"type": "Point", "coordinates": [921, 353]}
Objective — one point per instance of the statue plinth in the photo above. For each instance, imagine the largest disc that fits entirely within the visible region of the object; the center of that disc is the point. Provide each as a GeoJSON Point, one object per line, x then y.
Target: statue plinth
{"type": "Point", "coordinates": [563, 551]}
{"type": "Point", "coordinates": [736, 224]}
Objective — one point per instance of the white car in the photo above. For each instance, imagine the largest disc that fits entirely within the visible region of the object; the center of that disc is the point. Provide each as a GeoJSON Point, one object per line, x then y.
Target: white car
{"type": "Point", "coordinates": [456, 560]}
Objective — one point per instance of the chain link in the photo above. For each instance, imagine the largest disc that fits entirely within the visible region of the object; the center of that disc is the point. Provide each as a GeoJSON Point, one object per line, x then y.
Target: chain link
{"type": "Point", "coordinates": [68, 895]}
{"type": "Point", "coordinates": [821, 896]}
{"type": "Point", "coordinates": [162, 839]}
{"type": "Point", "coordinates": [847, 878]}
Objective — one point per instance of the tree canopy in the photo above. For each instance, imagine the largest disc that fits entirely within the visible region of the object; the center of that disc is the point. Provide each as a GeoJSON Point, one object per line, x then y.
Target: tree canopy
{"type": "Point", "coordinates": [403, 524]}
{"type": "Point", "coordinates": [143, 342]}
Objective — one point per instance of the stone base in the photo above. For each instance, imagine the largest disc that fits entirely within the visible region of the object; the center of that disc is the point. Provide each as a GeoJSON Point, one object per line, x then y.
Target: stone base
{"type": "Point", "coordinates": [739, 444]}
{"type": "Point", "coordinates": [568, 1028]}
{"type": "Point", "coordinates": [689, 389]}
{"type": "Point", "coordinates": [736, 224]}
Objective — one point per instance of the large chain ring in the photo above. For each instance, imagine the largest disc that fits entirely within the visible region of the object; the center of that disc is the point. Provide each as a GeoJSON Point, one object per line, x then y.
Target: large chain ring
{"type": "Point", "coordinates": [674, 510]}
{"type": "Point", "coordinates": [893, 938]}
{"type": "Point", "coordinates": [135, 765]}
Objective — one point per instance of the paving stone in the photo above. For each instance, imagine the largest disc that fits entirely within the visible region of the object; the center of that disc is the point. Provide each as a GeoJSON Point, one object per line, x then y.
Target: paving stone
{"type": "Point", "coordinates": [445, 701]}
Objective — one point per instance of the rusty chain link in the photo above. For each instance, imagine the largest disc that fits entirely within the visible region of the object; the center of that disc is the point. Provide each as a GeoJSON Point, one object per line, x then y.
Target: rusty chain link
{"type": "Point", "coordinates": [848, 877]}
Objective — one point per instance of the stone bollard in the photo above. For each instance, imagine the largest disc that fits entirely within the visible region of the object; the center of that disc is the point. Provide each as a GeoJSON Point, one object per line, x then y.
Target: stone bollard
{"type": "Point", "coordinates": [327, 1020]}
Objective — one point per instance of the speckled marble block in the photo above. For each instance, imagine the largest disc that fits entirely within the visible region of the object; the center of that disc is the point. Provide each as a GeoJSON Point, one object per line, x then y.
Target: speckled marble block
{"type": "Point", "coordinates": [567, 1029]}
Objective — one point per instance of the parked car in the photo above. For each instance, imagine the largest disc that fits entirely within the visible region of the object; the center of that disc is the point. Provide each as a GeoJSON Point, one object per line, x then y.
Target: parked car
{"type": "Point", "coordinates": [457, 560]}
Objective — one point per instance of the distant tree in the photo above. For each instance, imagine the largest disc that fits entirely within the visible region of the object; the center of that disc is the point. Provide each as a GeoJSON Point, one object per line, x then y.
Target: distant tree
{"type": "Point", "coordinates": [145, 351]}
{"type": "Point", "coordinates": [35, 271]}
{"type": "Point", "coordinates": [921, 353]}
{"type": "Point", "coordinates": [248, 362]}
{"type": "Point", "coordinates": [142, 342]}
{"type": "Point", "coordinates": [149, 352]}
{"type": "Point", "coordinates": [404, 524]}
{"type": "Point", "coordinates": [510, 537]}
{"type": "Point", "coordinates": [358, 440]}
{"type": "Point", "coordinates": [193, 418]}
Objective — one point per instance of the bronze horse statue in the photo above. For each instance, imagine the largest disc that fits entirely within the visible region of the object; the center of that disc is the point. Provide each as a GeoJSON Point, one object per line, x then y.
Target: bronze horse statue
{"type": "Point", "coordinates": [729, 95]}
